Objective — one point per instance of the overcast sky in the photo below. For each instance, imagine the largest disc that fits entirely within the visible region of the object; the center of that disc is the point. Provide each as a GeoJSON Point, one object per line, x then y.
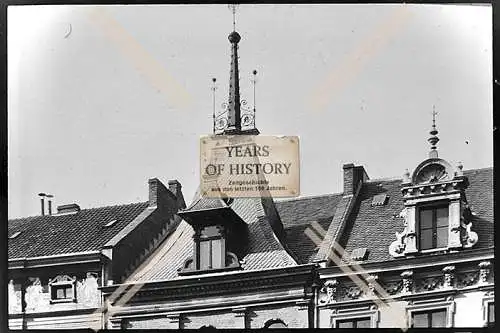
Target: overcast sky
{"type": "Point", "coordinates": [103, 98]}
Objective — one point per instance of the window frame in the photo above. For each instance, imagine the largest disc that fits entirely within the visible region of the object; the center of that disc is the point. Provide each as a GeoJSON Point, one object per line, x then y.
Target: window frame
{"type": "Point", "coordinates": [62, 282]}
{"type": "Point", "coordinates": [430, 305]}
{"type": "Point", "coordinates": [433, 206]}
{"type": "Point", "coordinates": [201, 238]}
{"type": "Point", "coordinates": [372, 313]}
{"type": "Point", "coordinates": [487, 300]}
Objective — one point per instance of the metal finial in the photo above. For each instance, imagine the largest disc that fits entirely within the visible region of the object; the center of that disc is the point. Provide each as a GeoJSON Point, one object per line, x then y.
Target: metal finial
{"type": "Point", "coordinates": [433, 140]}
{"type": "Point", "coordinates": [214, 88]}
{"type": "Point", "coordinates": [232, 7]}
{"type": "Point", "coordinates": [254, 81]}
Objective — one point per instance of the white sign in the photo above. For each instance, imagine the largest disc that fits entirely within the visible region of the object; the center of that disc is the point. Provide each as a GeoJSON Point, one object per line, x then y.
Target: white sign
{"type": "Point", "coordinates": [249, 166]}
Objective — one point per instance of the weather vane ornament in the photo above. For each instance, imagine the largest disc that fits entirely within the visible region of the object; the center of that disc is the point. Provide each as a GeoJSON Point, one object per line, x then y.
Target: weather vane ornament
{"type": "Point", "coordinates": [433, 140]}
{"type": "Point", "coordinates": [232, 7]}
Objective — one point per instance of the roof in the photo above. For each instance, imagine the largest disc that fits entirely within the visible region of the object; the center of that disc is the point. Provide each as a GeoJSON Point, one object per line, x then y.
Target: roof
{"type": "Point", "coordinates": [297, 216]}
{"type": "Point", "coordinates": [264, 249]}
{"type": "Point", "coordinates": [69, 233]}
{"type": "Point", "coordinates": [374, 226]}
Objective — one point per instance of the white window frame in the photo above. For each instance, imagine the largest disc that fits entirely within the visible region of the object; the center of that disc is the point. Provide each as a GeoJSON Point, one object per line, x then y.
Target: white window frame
{"type": "Point", "coordinates": [355, 313]}
{"type": "Point", "coordinates": [429, 305]}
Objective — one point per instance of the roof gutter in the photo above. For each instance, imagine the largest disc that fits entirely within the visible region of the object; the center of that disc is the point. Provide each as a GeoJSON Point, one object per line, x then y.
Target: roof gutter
{"type": "Point", "coordinates": [56, 260]}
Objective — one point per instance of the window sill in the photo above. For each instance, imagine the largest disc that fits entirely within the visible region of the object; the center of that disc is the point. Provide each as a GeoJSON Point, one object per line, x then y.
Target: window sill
{"type": "Point", "coordinates": [183, 272]}
{"type": "Point", "coordinates": [66, 300]}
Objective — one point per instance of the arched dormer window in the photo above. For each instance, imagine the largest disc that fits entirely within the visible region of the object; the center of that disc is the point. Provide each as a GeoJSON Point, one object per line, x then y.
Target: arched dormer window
{"type": "Point", "coordinates": [435, 213]}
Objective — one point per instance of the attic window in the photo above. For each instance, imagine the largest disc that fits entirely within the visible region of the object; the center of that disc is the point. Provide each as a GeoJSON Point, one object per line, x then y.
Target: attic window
{"type": "Point", "coordinates": [380, 199]}
{"type": "Point", "coordinates": [14, 235]}
{"type": "Point", "coordinates": [359, 254]}
{"type": "Point", "coordinates": [110, 224]}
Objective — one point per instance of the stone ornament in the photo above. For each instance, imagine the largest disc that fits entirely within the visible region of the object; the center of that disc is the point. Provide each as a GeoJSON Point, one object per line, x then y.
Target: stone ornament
{"type": "Point", "coordinates": [372, 280]}
{"type": "Point", "coordinates": [353, 292]}
{"type": "Point", "coordinates": [34, 296]}
{"type": "Point", "coordinates": [449, 277]}
{"type": "Point", "coordinates": [468, 279]}
{"type": "Point", "coordinates": [87, 291]}
{"type": "Point", "coordinates": [14, 298]}
{"type": "Point", "coordinates": [484, 271]}
{"type": "Point", "coordinates": [407, 282]}
{"type": "Point", "coordinates": [396, 249]}
{"type": "Point", "coordinates": [431, 283]}
{"type": "Point", "coordinates": [330, 292]}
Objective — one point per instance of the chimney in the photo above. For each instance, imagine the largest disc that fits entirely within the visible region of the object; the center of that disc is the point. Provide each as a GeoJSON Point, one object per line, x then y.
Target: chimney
{"type": "Point", "coordinates": [68, 209]}
{"type": "Point", "coordinates": [175, 187]}
{"type": "Point", "coordinates": [42, 202]}
{"type": "Point", "coordinates": [352, 176]}
{"type": "Point", "coordinates": [156, 191]}
{"type": "Point", "coordinates": [50, 196]}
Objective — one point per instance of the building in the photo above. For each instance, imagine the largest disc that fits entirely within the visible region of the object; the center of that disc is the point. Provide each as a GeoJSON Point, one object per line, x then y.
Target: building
{"type": "Point", "coordinates": [413, 251]}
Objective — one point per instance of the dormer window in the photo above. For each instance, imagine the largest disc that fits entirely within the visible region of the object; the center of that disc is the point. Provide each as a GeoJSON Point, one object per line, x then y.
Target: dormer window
{"type": "Point", "coordinates": [211, 248]}
{"type": "Point", "coordinates": [435, 216]}
{"type": "Point", "coordinates": [433, 227]}
{"type": "Point", "coordinates": [62, 289]}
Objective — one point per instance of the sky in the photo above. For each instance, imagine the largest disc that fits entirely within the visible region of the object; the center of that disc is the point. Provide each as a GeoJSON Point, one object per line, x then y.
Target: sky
{"type": "Point", "coordinates": [102, 98]}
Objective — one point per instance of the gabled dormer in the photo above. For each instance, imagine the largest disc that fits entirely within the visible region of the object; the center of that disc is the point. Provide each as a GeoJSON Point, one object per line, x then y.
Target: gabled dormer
{"type": "Point", "coordinates": [435, 212]}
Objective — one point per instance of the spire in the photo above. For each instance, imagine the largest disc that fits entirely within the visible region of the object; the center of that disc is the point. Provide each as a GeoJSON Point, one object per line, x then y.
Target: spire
{"type": "Point", "coordinates": [433, 139]}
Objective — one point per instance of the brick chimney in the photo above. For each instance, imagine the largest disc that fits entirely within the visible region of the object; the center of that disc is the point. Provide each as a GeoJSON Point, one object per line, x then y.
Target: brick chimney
{"type": "Point", "coordinates": [175, 187]}
{"type": "Point", "coordinates": [352, 176]}
{"type": "Point", "coordinates": [156, 191]}
{"type": "Point", "coordinates": [68, 209]}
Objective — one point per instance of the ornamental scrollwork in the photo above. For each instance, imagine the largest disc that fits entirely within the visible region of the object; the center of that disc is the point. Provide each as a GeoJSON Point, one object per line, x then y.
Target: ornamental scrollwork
{"type": "Point", "coordinates": [397, 248]}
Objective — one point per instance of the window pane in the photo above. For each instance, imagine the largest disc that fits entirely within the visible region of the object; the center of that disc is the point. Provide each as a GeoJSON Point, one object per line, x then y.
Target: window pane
{"type": "Point", "coordinates": [363, 323]}
{"type": "Point", "coordinates": [217, 253]}
{"type": "Point", "coordinates": [420, 319]}
{"type": "Point", "coordinates": [426, 239]}
{"type": "Point", "coordinates": [345, 324]}
{"type": "Point", "coordinates": [442, 237]}
{"type": "Point", "coordinates": [439, 318]}
{"type": "Point", "coordinates": [442, 216]}
{"type": "Point", "coordinates": [60, 293]}
{"type": "Point", "coordinates": [491, 312]}
{"type": "Point", "coordinates": [426, 218]}
{"type": "Point", "coordinates": [204, 254]}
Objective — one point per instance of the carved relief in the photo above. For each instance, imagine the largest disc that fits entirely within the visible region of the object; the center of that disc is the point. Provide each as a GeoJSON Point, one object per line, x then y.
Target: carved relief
{"type": "Point", "coordinates": [407, 282]}
{"type": "Point", "coordinates": [449, 277]}
{"type": "Point", "coordinates": [431, 283]}
{"type": "Point", "coordinates": [484, 271]}
{"type": "Point", "coordinates": [396, 249]}
{"type": "Point", "coordinates": [14, 298]}
{"type": "Point", "coordinates": [329, 292]}
{"type": "Point", "coordinates": [35, 299]}
{"type": "Point", "coordinates": [372, 280]}
{"type": "Point", "coordinates": [87, 291]}
{"type": "Point", "coordinates": [467, 279]}
{"type": "Point", "coordinates": [393, 287]}
{"type": "Point", "coordinates": [353, 292]}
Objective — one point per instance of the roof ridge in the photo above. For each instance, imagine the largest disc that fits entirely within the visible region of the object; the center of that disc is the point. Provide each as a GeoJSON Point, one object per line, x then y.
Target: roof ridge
{"type": "Point", "coordinates": [85, 209]}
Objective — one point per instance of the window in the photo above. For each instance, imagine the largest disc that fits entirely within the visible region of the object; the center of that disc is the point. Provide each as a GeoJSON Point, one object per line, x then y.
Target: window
{"type": "Point", "coordinates": [430, 318]}
{"type": "Point", "coordinates": [433, 227]}
{"type": "Point", "coordinates": [491, 314]}
{"type": "Point", "coordinates": [211, 248]}
{"type": "Point", "coordinates": [354, 323]}
{"type": "Point", "coordinates": [62, 289]}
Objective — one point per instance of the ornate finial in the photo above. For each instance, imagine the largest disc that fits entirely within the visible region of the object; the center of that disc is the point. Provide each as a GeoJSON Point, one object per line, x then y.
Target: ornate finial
{"type": "Point", "coordinates": [214, 88]}
{"type": "Point", "coordinates": [433, 140]}
{"type": "Point", "coordinates": [254, 81]}
{"type": "Point", "coordinates": [234, 103]}
{"type": "Point", "coordinates": [232, 7]}
{"type": "Point", "coordinates": [406, 176]}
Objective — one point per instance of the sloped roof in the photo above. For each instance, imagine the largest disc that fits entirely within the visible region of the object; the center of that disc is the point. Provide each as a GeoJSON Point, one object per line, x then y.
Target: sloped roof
{"type": "Point", "coordinates": [70, 233]}
{"type": "Point", "coordinates": [374, 227]}
{"type": "Point", "coordinates": [297, 216]}
{"type": "Point", "coordinates": [264, 249]}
